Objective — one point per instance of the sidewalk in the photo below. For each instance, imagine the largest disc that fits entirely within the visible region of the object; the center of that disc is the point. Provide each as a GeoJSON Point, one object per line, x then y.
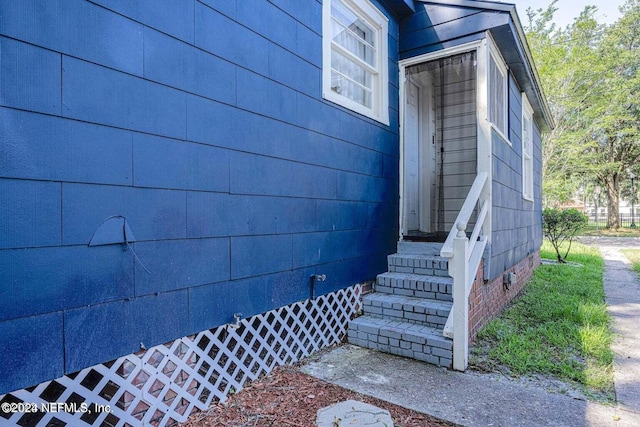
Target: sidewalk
{"type": "Point", "coordinates": [474, 399]}
{"type": "Point", "coordinates": [622, 289]}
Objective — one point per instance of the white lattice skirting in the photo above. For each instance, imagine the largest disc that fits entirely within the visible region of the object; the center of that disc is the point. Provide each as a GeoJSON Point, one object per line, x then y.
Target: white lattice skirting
{"type": "Point", "coordinates": [162, 385]}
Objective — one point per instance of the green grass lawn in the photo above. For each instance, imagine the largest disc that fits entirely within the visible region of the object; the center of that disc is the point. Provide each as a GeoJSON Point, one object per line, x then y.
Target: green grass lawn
{"type": "Point", "coordinates": [558, 328]}
{"type": "Point", "coordinates": [634, 256]}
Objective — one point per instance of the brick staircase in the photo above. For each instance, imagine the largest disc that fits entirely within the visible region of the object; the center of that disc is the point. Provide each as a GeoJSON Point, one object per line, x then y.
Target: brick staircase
{"type": "Point", "coordinates": [406, 313]}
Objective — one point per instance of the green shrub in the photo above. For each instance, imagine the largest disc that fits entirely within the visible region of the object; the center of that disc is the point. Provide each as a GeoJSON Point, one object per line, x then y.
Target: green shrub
{"type": "Point", "coordinates": [562, 225]}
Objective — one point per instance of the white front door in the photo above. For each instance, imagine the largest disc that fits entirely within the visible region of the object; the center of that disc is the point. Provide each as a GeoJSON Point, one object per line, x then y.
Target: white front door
{"type": "Point", "coordinates": [412, 158]}
{"type": "Point", "coordinates": [419, 157]}
{"type": "Point", "coordinates": [440, 139]}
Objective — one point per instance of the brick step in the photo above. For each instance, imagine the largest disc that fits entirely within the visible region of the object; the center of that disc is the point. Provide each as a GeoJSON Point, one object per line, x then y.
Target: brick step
{"type": "Point", "coordinates": [415, 285]}
{"type": "Point", "coordinates": [427, 312]}
{"type": "Point", "coordinates": [429, 265]}
{"type": "Point", "coordinates": [403, 339]}
{"type": "Point", "coordinates": [419, 248]}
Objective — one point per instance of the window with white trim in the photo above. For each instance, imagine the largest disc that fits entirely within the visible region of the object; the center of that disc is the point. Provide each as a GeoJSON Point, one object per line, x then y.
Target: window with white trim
{"type": "Point", "coordinates": [355, 57]}
{"type": "Point", "coordinates": [498, 101]}
{"type": "Point", "coordinates": [527, 149]}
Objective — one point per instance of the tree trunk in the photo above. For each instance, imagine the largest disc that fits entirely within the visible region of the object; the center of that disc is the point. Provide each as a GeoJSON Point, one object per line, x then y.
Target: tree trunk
{"type": "Point", "coordinates": [613, 199]}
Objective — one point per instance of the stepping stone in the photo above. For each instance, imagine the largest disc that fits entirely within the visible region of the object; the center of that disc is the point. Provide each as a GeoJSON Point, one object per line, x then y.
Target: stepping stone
{"type": "Point", "coordinates": [352, 413]}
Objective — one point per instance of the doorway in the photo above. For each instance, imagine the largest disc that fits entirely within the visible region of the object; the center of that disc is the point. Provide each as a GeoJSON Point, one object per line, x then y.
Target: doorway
{"type": "Point", "coordinates": [420, 157]}
{"type": "Point", "coordinates": [439, 144]}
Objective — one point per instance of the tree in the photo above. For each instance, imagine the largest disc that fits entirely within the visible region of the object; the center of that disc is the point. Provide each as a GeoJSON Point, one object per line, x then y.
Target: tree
{"type": "Point", "coordinates": [619, 119]}
{"type": "Point", "coordinates": [560, 226]}
{"type": "Point", "coordinates": [563, 159]}
{"type": "Point", "coordinates": [591, 74]}
{"type": "Point", "coordinates": [611, 115]}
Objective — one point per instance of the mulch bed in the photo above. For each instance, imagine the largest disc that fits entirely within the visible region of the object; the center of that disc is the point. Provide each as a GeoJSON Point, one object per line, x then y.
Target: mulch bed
{"type": "Point", "coordinates": [288, 398]}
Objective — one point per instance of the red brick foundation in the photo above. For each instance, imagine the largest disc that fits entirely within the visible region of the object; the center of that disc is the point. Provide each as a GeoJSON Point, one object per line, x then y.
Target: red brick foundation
{"type": "Point", "coordinates": [488, 299]}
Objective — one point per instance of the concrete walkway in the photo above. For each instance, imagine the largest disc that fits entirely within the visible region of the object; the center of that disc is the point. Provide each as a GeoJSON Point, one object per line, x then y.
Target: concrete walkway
{"type": "Point", "coordinates": [473, 399]}
{"type": "Point", "coordinates": [622, 289]}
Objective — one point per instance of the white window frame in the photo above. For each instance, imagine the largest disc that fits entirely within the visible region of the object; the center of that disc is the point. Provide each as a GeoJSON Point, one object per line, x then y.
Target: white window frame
{"type": "Point", "coordinates": [366, 11]}
{"type": "Point", "coordinates": [495, 57]}
{"type": "Point", "coordinates": [527, 155]}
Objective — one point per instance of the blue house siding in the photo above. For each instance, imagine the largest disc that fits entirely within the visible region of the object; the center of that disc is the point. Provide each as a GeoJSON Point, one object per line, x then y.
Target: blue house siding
{"type": "Point", "coordinates": [45, 280]}
{"type": "Point", "coordinates": [516, 222]}
{"type": "Point", "coordinates": [177, 264]}
{"type": "Point", "coordinates": [106, 331]}
{"type": "Point", "coordinates": [96, 94]}
{"type": "Point", "coordinates": [435, 27]}
{"type": "Point", "coordinates": [27, 87]}
{"type": "Point", "coordinates": [153, 214]}
{"type": "Point", "coordinates": [52, 148]}
{"type": "Point", "coordinates": [30, 360]}
{"type": "Point", "coordinates": [202, 122]}
{"type": "Point", "coordinates": [41, 198]}
{"type": "Point", "coordinates": [174, 63]}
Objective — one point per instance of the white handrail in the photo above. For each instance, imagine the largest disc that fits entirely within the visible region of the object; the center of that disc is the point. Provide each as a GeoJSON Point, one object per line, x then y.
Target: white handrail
{"type": "Point", "coordinates": [476, 229]}
{"type": "Point", "coordinates": [464, 259]}
{"type": "Point", "coordinates": [465, 212]}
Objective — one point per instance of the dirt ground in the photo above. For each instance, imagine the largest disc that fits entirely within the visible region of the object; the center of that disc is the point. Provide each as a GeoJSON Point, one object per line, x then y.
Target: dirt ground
{"type": "Point", "coordinates": [287, 397]}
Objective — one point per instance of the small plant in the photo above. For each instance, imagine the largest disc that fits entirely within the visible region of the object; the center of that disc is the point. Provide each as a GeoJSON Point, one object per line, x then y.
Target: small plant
{"type": "Point", "coordinates": [562, 225]}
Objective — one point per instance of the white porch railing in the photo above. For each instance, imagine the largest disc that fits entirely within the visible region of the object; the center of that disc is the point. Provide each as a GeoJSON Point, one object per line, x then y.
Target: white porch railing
{"type": "Point", "coordinates": [464, 259]}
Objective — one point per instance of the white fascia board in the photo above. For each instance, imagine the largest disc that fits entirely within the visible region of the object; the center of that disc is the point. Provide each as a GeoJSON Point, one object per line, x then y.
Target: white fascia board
{"type": "Point", "coordinates": [489, 5]}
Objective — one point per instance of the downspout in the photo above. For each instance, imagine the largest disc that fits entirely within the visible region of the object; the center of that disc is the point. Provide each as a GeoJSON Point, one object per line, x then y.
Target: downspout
{"type": "Point", "coordinates": [441, 171]}
{"type": "Point", "coordinates": [484, 156]}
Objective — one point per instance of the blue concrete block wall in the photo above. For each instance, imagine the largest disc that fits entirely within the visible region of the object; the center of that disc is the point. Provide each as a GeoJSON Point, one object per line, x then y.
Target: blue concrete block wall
{"type": "Point", "coordinates": [202, 122]}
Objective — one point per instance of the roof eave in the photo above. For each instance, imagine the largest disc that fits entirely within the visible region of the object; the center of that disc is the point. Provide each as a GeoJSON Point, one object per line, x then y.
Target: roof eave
{"type": "Point", "coordinates": [511, 9]}
{"type": "Point", "coordinates": [531, 65]}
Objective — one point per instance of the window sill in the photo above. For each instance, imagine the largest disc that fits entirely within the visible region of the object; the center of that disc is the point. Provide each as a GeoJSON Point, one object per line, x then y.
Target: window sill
{"type": "Point", "coordinates": [356, 108]}
{"type": "Point", "coordinates": [500, 134]}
